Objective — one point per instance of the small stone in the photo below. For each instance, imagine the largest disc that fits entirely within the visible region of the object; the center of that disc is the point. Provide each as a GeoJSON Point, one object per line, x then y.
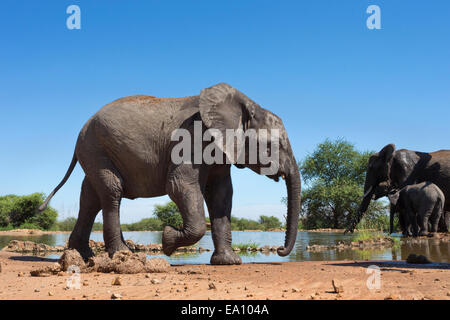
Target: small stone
{"type": "Point", "coordinates": [116, 296]}
{"type": "Point", "coordinates": [37, 290]}
{"type": "Point", "coordinates": [51, 294]}
{"type": "Point", "coordinates": [294, 290]}
{"type": "Point", "coordinates": [20, 274]}
{"type": "Point", "coordinates": [85, 283]}
{"type": "Point", "coordinates": [147, 276]}
{"type": "Point", "coordinates": [117, 281]}
{"type": "Point", "coordinates": [392, 297]}
{"type": "Point", "coordinates": [212, 286]}
{"type": "Point", "coordinates": [156, 281]}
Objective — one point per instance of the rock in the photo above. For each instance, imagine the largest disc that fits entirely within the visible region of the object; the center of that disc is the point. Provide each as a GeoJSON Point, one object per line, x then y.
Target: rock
{"type": "Point", "coordinates": [51, 294]}
{"type": "Point", "coordinates": [155, 281]}
{"type": "Point", "coordinates": [294, 290]}
{"type": "Point", "coordinates": [337, 288]}
{"type": "Point", "coordinates": [212, 286]}
{"type": "Point", "coordinates": [37, 290]}
{"type": "Point", "coordinates": [392, 297]}
{"type": "Point", "coordinates": [71, 257]}
{"type": "Point", "coordinates": [117, 281]}
{"type": "Point", "coordinates": [116, 296]}
{"type": "Point", "coordinates": [417, 259]}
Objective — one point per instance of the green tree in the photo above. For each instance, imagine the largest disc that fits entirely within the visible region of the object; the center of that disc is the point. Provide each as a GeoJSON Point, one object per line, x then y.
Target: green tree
{"type": "Point", "coordinates": [269, 222]}
{"type": "Point", "coordinates": [146, 224]}
{"type": "Point", "coordinates": [168, 214]}
{"type": "Point", "coordinates": [334, 176]}
{"type": "Point", "coordinates": [23, 212]}
{"type": "Point", "coordinates": [245, 224]}
{"type": "Point", "coordinates": [6, 205]}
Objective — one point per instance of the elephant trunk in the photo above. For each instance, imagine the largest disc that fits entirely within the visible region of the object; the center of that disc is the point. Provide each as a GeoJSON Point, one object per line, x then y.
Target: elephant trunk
{"type": "Point", "coordinates": [293, 186]}
{"type": "Point", "coordinates": [368, 193]}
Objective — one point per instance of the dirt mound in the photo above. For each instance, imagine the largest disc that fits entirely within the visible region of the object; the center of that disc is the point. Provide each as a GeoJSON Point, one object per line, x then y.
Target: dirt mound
{"type": "Point", "coordinates": [123, 262]}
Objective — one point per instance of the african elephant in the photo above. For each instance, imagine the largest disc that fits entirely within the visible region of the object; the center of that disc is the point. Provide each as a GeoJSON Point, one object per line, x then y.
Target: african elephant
{"type": "Point", "coordinates": [127, 149]}
{"type": "Point", "coordinates": [416, 204]}
{"type": "Point", "coordinates": [399, 168]}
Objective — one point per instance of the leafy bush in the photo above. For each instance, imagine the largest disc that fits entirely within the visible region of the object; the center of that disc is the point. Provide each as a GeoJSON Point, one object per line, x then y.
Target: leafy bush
{"type": "Point", "coordinates": [67, 224]}
{"type": "Point", "coordinates": [168, 214]}
{"type": "Point", "coordinates": [21, 211]}
{"type": "Point", "coordinates": [6, 205]}
{"type": "Point", "coordinates": [147, 224]}
{"type": "Point", "coordinates": [269, 222]}
{"type": "Point", "coordinates": [245, 224]}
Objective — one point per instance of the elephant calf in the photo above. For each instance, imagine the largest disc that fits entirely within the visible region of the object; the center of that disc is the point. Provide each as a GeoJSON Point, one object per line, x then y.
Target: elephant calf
{"type": "Point", "coordinates": [416, 204]}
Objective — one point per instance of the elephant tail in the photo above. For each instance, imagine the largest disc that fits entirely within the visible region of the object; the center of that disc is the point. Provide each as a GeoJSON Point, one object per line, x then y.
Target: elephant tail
{"type": "Point", "coordinates": [63, 181]}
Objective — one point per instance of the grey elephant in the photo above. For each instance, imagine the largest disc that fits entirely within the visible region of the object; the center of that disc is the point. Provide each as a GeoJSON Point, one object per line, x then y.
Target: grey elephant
{"type": "Point", "coordinates": [126, 151]}
{"type": "Point", "coordinates": [399, 168]}
{"type": "Point", "coordinates": [417, 205]}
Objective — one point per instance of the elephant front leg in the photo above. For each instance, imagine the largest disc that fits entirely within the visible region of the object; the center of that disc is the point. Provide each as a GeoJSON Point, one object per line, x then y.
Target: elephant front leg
{"type": "Point", "coordinates": [189, 199]}
{"type": "Point", "coordinates": [218, 197]}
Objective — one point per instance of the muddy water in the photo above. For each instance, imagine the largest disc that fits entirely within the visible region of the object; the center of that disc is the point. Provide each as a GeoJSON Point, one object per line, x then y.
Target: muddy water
{"type": "Point", "coordinates": [436, 251]}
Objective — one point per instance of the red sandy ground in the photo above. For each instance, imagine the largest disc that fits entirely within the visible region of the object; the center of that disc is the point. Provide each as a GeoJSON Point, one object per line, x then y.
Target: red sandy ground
{"type": "Point", "coordinates": [290, 280]}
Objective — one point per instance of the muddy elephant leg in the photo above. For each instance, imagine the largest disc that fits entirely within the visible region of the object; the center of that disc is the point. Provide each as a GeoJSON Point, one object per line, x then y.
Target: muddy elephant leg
{"type": "Point", "coordinates": [108, 185]}
{"type": "Point", "coordinates": [218, 197]}
{"type": "Point", "coordinates": [89, 208]}
{"type": "Point", "coordinates": [184, 189]}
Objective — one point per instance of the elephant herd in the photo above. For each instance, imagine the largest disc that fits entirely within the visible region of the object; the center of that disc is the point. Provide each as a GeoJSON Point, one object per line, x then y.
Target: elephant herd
{"type": "Point", "coordinates": [125, 151]}
{"type": "Point", "coordinates": [417, 185]}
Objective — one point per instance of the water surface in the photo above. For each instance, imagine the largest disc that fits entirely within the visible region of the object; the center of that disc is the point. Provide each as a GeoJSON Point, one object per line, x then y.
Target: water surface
{"type": "Point", "coordinates": [436, 251]}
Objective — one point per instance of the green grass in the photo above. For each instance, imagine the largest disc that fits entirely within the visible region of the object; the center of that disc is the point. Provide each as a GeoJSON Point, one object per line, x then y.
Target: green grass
{"type": "Point", "coordinates": [245, 246]}
{"type": "Point", "coordinates": [368, 235]}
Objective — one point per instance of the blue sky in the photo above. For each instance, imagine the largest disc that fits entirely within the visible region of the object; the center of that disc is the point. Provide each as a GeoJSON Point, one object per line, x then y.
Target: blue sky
{"type": "Point", "coordinates": [313, 63]}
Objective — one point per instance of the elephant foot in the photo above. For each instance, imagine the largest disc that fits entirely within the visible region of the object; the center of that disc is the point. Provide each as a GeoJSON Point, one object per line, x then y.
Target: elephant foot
{"type": "Point", "coordinates": [423, 234]}
{"type": "Point", "coordinates": [120, 246]}
{"type": "Point", "coordinates": [169, 240]}
{"type": "Point", "coordinates": [226, 257]}
{"type": "Point", "coordinates": [83, 248]}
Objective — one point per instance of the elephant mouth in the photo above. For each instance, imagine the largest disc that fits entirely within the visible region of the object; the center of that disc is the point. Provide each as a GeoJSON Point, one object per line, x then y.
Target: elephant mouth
{"type": "Point", "coordinates": [276, 177]}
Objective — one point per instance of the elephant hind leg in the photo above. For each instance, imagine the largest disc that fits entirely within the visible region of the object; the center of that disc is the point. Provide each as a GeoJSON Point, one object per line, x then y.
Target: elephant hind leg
{"type": "Point", "coordinates": [89, 208]}
{"type": "Point", "coordinates": [436, 216]}
{"type": "Point", "coordinates": [423, 215]}
{"type": "Point", "coordinates": [109, 186]}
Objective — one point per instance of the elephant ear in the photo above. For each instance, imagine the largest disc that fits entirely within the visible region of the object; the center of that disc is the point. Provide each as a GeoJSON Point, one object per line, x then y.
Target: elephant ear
{"type": "Point", "coordinates": [387, 152]}
{"type": "Point", "coordinates": [223, 107]}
